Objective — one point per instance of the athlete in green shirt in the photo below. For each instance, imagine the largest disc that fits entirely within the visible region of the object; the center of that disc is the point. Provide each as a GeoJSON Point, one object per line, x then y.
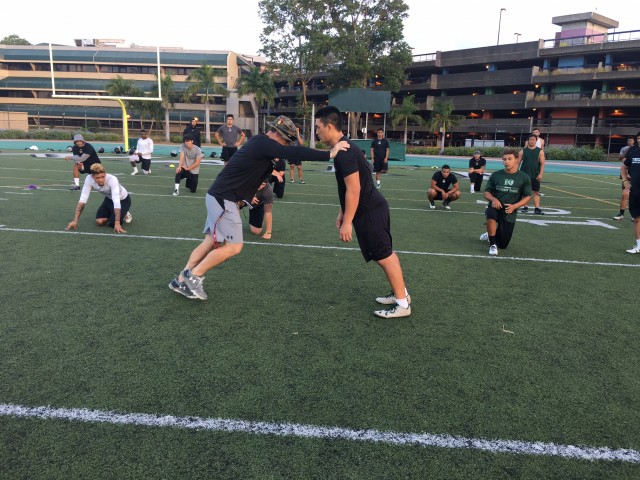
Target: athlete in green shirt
{"type": "Point", "coordinates": [532, 163]}
{"type": "Point", "coordinates": [506, 190]}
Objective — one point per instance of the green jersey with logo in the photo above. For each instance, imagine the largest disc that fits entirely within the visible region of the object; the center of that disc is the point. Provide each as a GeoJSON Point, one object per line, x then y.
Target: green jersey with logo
{"type": "Point", "coordinates": [509, 188]}
{"type": "Point", "coordinates": [530, 161]}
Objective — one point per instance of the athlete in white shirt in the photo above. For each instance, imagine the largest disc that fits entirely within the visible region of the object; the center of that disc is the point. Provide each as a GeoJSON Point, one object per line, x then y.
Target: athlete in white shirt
{"type": "Point", "coordinates": [144, 149]}
{"type": "Point", "coordinates": [115, 205]}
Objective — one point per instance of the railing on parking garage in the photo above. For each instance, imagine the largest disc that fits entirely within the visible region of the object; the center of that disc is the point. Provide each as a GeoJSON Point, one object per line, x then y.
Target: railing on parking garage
{"type": "Point", "coordinates": [609, 37]}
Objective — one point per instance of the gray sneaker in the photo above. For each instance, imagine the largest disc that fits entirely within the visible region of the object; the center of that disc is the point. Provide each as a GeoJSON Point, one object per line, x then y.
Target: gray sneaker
{"type": "Point", "coordinates": [194, 283]}
{"type": "Point", "coordinates": [390, 299]}
{"type": "Point", "coordinates": [484, 237]}
{"type": "Point", "coordinates": [394, 312]}
{"type": "Point", "coordinates": [181, 288]}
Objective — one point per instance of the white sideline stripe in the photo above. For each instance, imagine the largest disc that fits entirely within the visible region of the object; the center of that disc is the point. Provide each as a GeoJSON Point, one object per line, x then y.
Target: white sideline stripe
{"type": "Point", "coordinates": [328, 247]}
{"type": "Point", "coordinates": [320, 432]}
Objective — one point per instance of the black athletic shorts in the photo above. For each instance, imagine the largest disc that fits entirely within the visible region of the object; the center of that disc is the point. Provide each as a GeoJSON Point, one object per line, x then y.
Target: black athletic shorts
{"type": "Point", "coordinates": [86, 167]}
{"type": "Point", "coordinates": [256, 216]}
{"type": "Point", "coordinates": [227, 153]}
{"type": "Point", "coordinates": [192, 179]}
{"type": "Point", "coordinates": [380, 166]}
{"type": "Point", "coordinates": [535, 185]}
{"type": "Point", "coordinates": [294, 162]}
{"type": "Point", "coordinates": [106, 210]}
{"type": "Point", "coordinates": [373, 229]}
{"type": "Point", "coordinates": [634, 203]}
{"type": "Point", "coordinates": [505, 229]}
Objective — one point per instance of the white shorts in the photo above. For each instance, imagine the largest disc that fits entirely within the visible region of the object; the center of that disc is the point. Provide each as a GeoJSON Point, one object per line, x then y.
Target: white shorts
{"type": "Point", "coordinates": [224, 224]}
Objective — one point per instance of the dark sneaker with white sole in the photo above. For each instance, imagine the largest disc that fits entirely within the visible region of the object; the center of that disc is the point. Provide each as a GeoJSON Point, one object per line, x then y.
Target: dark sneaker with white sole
{"type": "Point", "coordinates": [181, 288]}
{"type": "Point", "coordinates": [194, 283]}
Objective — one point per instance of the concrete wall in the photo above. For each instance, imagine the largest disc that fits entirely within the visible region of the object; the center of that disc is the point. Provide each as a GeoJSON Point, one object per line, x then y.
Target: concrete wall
{"type": "Point", "coordinates": [14, 121]}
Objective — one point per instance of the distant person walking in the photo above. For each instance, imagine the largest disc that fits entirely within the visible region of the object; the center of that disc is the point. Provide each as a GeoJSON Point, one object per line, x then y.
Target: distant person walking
{"type": "Point", "coordinates": [624, 198]}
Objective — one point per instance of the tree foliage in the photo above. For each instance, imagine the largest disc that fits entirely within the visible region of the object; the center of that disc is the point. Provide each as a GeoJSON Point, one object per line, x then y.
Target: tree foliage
{"type": "Point", "coordinates": [406, 113]}
{"type": "Point", "coordinates": [354, 41]}
{"type": "Point", "coordinates": [14, 40]}
{"type": "Point", "coordinates": [204, 85]}
{"type": "Point", "coordinates": [443, 119]}
{"type": "Point", "coordinates": [295, 40]}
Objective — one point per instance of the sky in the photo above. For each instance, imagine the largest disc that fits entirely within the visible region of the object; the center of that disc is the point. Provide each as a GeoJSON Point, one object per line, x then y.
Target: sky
{"type": "Point", "coordinates": [235, 25]}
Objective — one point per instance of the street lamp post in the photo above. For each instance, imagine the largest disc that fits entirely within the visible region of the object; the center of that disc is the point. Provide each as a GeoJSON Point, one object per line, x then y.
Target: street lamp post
{"type": "Point", "coordinates": [517, 36]}
{"type": "Point", "coordinates": [499, 24]}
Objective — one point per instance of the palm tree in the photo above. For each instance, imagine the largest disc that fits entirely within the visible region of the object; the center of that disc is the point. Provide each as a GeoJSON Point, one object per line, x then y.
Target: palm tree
{"type": "Point", "coordinates": [442, 119]}
{"type": "Point", "coordinates": [405, 113]}
{"type": "Point", "coordinates": [169, 96]}
{"type": "Point", "coordinates": [259, 84]}
{"type": "Point", "coordinates": [204, 85]}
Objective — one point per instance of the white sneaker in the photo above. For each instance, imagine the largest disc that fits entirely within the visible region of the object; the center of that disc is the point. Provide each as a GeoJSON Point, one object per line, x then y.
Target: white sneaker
{"type": "Point", "coordinates": [394, 312]}
{"type": "Point", "coordinates": [484, 237]}
{"type": "Point", "coordinates": [390, 299]}
{"type": "Point", "coordinates": [493, 250]}
{"type": "Point", "coordinates": [635, 249]}
{"type": "Point", "coordinates": [378, 185]}
{"type": "Point", "coordinates": [618, 217]}
{"type": "Point", "coordinates": [135, 172]}
{"type": "Point", "coordinates": [128, 217]}
{"type": "Point", "coordinates": [472, 190]}
{"type": "Point", "coordinates": [175, 193]}
{"type": "Point", "coordinates": [432, 206]}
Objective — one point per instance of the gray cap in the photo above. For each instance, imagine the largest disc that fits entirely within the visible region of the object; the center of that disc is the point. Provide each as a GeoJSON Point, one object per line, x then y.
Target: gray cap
{"type": "Point", "coordinates": [478, 152]}
{"type": "Point", "coordinates": [78, 138]}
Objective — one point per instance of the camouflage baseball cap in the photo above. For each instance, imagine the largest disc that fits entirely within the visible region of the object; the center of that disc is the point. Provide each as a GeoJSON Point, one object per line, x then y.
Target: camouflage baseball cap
{"type": "Point", "coordinates": [285, 127]}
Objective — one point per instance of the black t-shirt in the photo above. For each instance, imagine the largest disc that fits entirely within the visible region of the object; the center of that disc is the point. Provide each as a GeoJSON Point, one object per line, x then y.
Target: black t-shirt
{"type": "Point", "coordinates": [87, 149]}
{"type": "Point", "coordinates": [479, 163]}
{"type": "Point", "coordinates": [632, 162]}
{"type": "Point", "coordinates": [379, 147]}
{"type": "Point", "coordinates": [442, 182]}
{"type": "Point", "coordinates": [253, 163]}
{"type": "Point", "coordinates": [349, 162]}
{"type": "Point", "coordinates": [195, 132]}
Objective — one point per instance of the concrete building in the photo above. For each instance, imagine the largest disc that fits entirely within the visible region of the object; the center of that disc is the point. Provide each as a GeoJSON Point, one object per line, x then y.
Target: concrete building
{"type": "Point", "coordinates": [86, 69]}
{"type": "Point", "coordinates": [580, 88]}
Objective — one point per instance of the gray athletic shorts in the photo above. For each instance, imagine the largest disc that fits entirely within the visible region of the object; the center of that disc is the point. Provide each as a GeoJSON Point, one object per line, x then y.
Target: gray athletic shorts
{"type": "Point", "coordinates": [224, 224]}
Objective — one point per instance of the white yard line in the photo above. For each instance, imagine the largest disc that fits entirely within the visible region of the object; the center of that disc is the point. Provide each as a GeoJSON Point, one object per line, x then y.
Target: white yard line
{"type": "Point", "coordinates": [517, 447]}
{"type": "Point", "coordinates": [327, 247]}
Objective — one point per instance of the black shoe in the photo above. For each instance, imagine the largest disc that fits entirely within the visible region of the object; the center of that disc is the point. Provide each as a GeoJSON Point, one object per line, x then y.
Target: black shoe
{"type": "Point", "coordinates": [525, 210]}
{"type": "Point", "coordinates": [537, 211]}
{"type": "Point", "coordinates": [75, 187]}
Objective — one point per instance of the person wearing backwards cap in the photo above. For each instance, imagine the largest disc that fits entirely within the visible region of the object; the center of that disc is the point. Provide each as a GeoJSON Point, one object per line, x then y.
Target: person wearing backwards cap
{"type": "Point", "coordinates": [235, 186]}
{"type": "Point", "coordinates": [83, 156]}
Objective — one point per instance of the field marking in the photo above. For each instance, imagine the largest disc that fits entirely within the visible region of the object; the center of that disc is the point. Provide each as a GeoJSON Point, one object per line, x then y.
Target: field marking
{"type": "Point", "coordinates": [326, 247]}
{"type": "Point", "coordinates": [517, 447]}
{"type": "Point", "coordinates": [586, 197]}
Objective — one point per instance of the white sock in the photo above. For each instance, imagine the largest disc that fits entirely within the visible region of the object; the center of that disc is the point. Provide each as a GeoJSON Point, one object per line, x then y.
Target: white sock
{"type": "Point", "coordinates": [177, 186]}
{"type": "Point", "coordinates": [76, 181]}
{"type": "Point", "coordinates": [638, 243]}
{"type": "Point", "coordinates": [403, 302]}
{"type": "Point", "coordinates": [135, 169]}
